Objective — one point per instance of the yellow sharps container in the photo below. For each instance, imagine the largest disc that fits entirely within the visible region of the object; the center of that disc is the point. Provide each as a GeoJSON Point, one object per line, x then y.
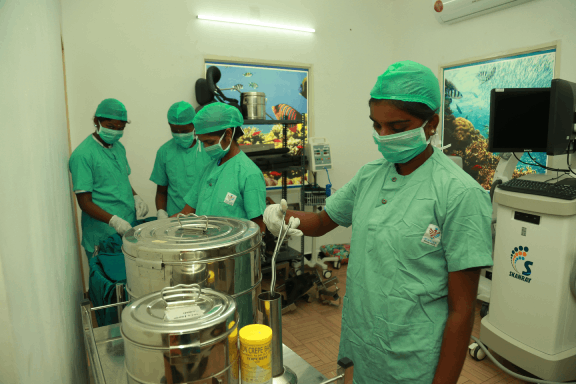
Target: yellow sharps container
{"type": "Point", "coordinates": [256, 354]}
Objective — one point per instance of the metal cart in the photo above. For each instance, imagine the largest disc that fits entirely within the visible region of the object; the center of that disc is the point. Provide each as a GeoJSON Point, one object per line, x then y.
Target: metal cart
{"type": "Point", "coordinates": [105, 349]}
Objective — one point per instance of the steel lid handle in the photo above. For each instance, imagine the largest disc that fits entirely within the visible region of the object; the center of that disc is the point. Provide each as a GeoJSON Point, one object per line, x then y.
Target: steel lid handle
{"type": "Point", "coordinates": [180, 290]}
{"type": "Point", "coordinates": [192, 215]}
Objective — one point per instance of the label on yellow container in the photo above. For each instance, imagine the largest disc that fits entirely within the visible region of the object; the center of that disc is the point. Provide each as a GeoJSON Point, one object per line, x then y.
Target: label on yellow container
{"type": "Point", "coordinates": [256, 354]}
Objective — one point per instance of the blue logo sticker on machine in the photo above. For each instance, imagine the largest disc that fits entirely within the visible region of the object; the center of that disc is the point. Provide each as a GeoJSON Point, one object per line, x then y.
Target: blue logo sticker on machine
{"type": "Point", "coordinates": [520, 265]}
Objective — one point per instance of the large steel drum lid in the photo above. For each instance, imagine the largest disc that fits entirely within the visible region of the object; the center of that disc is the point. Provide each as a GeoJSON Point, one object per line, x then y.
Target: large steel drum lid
{"type": "Point", "coordinates": [191, 238]}
{"type": "Point", "coordinates": [185, 314]}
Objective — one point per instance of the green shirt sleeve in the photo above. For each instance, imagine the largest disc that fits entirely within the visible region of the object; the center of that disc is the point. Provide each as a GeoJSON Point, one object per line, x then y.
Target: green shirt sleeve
{"type": "Point", "coordinates": [467, 232]}
{"type": "Point", "coordinates": [340, 206]}
{"type": "Point", "coordinates": [159, 175]}
{"type": "Point", "coordinates": [254, 195]}
{"type": "Point", "coordinates": [82, 175]}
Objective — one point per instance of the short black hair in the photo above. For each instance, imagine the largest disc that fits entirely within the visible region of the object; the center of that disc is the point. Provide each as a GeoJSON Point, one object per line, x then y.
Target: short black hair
{"type": "Point", "coordinates": [101, 119]}
{"type": "Point", "coordinates": [237, 134]}
{"type": "Point", "coordinates": [419, 110]}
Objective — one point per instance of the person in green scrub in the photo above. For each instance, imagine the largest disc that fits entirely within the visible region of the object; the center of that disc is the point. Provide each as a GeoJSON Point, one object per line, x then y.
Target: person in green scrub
{"type": "Point", "coordinates": [421, 232]}
{"type": "Point", "coordinates": [178, 162]}
{"type": "Point", "coordinates": [100, 171]}
{"type": "Point", "coordinates": [231, 186]}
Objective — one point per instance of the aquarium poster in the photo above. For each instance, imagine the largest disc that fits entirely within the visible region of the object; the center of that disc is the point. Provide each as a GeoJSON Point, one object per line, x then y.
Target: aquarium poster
{"type": "Point", "coordinates": [466, 102]}
{"type": "Point", "coordinates": [286, 92]}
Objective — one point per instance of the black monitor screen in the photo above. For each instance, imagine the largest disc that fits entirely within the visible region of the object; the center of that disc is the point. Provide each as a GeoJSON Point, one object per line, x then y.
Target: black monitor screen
{"type": "Point", "coordinates": [519, 120]}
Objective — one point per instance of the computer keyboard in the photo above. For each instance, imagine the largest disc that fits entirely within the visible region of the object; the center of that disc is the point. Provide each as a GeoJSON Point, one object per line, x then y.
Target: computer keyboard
{"type": "Point", "coordinates": [557, 191]}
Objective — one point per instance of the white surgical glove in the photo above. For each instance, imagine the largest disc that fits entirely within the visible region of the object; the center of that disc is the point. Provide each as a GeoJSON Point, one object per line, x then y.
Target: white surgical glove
{"type": "Point", "coordinates": [141, 207]}
{"type": "Point", "coordinates": [273, 216]}
{"type": "Point", "coordinates": [161, 214]}
{"type": "Point", "coordinates": [120, 225]}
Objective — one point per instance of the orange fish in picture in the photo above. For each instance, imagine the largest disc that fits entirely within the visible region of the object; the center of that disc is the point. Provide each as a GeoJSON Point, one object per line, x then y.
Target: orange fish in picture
{"type": "Point", "coordinates": [282, 111]}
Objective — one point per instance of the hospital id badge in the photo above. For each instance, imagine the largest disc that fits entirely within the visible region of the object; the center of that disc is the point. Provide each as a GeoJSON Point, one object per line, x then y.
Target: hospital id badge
{"type": "Point", "coordinates": [230, 199]}
{"type": "Point", "coordinates": [432, 235]}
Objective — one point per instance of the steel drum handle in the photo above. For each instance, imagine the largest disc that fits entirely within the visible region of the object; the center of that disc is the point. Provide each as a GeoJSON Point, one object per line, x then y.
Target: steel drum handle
{"type": "Point", "coordinates": [180, 290]}
{"type": "Point", "coordinates": [194, 216]}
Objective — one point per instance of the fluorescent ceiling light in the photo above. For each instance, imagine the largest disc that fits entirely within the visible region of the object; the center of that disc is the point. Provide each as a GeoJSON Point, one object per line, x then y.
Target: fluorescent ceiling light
{"type": "Point", "coordinates": [254, 22]}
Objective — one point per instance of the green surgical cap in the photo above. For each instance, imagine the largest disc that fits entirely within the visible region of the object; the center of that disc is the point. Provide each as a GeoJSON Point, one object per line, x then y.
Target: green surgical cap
{"type": "Point", "coordinates": [112, 109]}
{"type": "Point", "coordinates": [181, 113]}
{"type": "Point", "coordinates": [216, 117]}
{"type": "Point", "coordinates": [408, 81]}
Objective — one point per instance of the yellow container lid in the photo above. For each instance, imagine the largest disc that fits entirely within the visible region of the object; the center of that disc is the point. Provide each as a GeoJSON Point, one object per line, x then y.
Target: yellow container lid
{"type": "Point", "coordinates": [255, 334]}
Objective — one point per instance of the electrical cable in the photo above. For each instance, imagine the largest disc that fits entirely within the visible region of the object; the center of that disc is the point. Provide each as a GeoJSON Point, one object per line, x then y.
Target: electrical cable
{"type": "Point", "coordinates": [568, 158]}
{"type": "Point", "coordinates": [539, 165]}
{"type": "Point", "coordinates": [328, 175]}
{"type": "Point", "coordinates": [513, 374]}
{"type": "Point", "coordinates": [329, 185]}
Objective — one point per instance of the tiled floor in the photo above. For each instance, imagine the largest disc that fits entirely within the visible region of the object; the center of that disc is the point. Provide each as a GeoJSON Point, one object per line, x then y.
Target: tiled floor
{"type": "Point", "coordinates": [313, 332]}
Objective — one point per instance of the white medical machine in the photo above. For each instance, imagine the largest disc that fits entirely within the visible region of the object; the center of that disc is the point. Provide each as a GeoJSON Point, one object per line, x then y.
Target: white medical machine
{"type": "Point", "coordinates": [532, 314]}
{"type": "Point", "coordinates": [319, 159]}
{"type": "Point", "coordinates": [318, 154]}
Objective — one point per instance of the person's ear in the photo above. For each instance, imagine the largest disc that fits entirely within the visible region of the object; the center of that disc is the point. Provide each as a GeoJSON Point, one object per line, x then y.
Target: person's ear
{"type": "Point", "coordinates": [432, 126]}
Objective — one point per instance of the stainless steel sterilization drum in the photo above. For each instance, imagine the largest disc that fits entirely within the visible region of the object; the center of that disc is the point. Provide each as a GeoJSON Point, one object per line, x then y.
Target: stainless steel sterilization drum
{"type": "Point", "coordinates": [182, 334]}
{"type": "Point", "coordinates": [220, 253]}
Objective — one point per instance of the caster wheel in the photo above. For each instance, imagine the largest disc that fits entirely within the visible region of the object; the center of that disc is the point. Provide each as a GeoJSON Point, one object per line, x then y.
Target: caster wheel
{"type": "Point", "coordinates": [484, 310]}
{"type": "Point", "coordinates": [298, 272]}
{"type": "Point", "coordinates": [337, 264]}
{"type": "Point", "coordinates": [476, 352]}
{"type": "Point", "coordinates": [327, 274]}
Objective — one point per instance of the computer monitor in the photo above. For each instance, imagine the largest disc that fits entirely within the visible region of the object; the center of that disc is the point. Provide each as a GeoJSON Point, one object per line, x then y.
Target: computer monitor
{"type": "Point", "coordinates": [562, 117]}
{"type": "Point", "coordinates": [533, 119]}
{"type": "Point", "coordinates": [519, 120]}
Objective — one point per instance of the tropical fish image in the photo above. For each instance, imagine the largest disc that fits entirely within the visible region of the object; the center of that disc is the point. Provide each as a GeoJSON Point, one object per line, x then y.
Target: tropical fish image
{"type": "Point", "coordinates": [477, 167]}
{"type": "Point", "coordinates": [486, 75]}
{"type": "Point", "coordinates": [450, 91]}
{"type": "Point", "coordinates": [458, 108]}
{"type": "Point", "coordinates": [253, 85]}
{"type": "Point", "coordinates": [247, 74]}
{"type": "Point", "coordinates": [284, 110]}
{"type": "Point", "coordinates": [304, 88]}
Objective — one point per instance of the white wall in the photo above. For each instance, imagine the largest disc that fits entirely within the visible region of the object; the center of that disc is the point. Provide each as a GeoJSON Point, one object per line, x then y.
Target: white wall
{"type": "Point", "coordinates": [521, 27]}
{"type": "Point", "coordinates": [149, 56]}
{"type": "Point", "coordinates": [40, 285]}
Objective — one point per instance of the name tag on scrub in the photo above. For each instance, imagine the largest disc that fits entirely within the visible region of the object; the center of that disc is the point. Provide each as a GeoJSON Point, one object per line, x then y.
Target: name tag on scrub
{"type": "Point", "coordinates": [432, 235]}
{"type": "Point", "coordinates": [230, 199]}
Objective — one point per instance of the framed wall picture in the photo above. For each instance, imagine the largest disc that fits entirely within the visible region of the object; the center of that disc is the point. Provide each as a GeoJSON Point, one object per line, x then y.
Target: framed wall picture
{"type": "Point", "coordinates": [286, 89]}
{"type": "Point", "coordinates": [466, 106]}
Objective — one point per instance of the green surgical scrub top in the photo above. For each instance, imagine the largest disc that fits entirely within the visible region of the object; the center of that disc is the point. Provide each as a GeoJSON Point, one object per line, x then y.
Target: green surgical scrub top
{"type": "Point", "coordinates": [103, 172]}
{"type": "Point", "coordinates": [233, 189]}
{"type": "Point", "coordinates": [179, 169]}
{"type": "Point", "coordinates": [408, 233]}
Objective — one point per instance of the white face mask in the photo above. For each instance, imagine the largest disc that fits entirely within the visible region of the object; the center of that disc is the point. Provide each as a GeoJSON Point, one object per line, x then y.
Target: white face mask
{"type": "Point", "coordinates": [399, 148]}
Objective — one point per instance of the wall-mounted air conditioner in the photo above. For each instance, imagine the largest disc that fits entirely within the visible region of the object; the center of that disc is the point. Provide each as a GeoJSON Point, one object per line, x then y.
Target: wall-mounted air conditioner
{"type": "Point", "coordinates": [458, 10]}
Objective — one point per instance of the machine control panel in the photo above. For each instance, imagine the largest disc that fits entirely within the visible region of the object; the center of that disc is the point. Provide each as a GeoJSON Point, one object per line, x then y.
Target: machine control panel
{"type": "Point", "coordinates": [318, 154]}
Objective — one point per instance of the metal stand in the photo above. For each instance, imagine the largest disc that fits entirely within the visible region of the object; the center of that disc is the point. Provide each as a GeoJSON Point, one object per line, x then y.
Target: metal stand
{"type": "Point", "coordinates": [271, 308]}
{"type": "Point", "coordinates": [315, 201]}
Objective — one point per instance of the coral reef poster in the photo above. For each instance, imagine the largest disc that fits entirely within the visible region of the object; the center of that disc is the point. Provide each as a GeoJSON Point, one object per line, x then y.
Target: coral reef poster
{"type": "Point", "coordinates": [467, 108]}
{"type": "Point", "coordinates": [286, 92]}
